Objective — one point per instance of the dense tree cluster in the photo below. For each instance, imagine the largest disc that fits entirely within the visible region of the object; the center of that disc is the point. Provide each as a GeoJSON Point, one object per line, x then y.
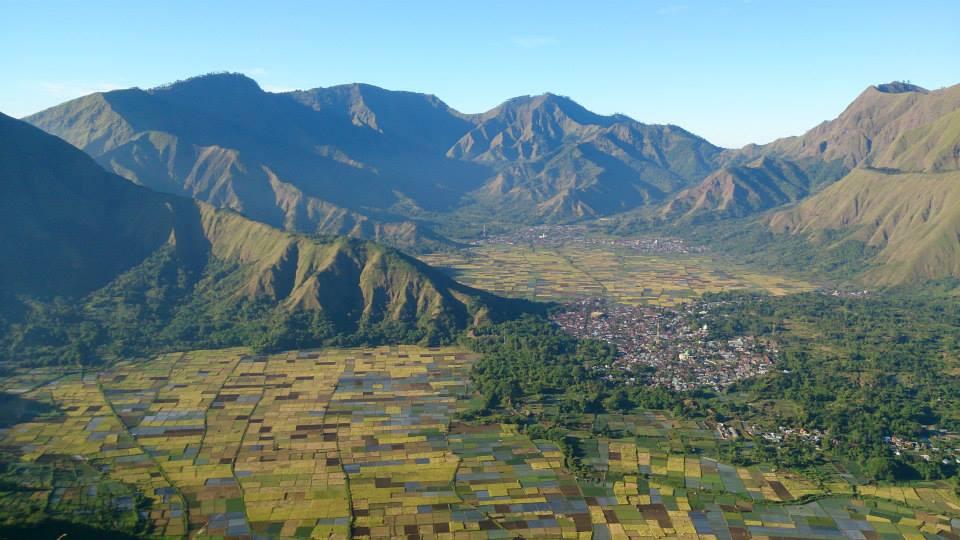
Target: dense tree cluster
{"type": "Point", "coordinates": [860, 369]}
{"type": "Point", "coordinates": [533, 374]}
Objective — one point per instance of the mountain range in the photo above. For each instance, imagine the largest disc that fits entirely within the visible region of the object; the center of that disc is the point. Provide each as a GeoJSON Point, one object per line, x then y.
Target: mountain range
{"type": "Point", "coordinates": [369, 162]}
{"type": "Point", "coordinates": [397, 167]}
{"type": "Point", "coordinates": [92, 260]}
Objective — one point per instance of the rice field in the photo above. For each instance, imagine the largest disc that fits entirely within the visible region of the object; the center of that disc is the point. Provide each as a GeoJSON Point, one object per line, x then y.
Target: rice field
{"type": "Point", "coordinates": [555, 274]}
{"type": "Point", "coordinates": [365, 443]}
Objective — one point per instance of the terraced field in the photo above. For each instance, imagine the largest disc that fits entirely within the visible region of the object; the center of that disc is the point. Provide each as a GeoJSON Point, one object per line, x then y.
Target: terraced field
{"type": "Point", "coordinates": [546, 273]}
{"type": "Point", "coordinates": [365, 443]}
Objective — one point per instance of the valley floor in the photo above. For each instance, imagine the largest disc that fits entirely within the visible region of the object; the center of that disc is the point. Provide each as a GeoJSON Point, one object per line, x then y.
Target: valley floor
{"type": "Point", "coordinates": [554, 271]}
{"type": "Point", "coordinates": [367, 443]}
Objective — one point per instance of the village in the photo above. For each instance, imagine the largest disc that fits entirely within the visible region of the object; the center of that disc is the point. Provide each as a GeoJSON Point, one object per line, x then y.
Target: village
{"type": "Point", "coordinates": [569, 235]}
{"type": "Point", "coordinates": [665, 347]}
{"type": "Point", "coordinates": [928, 448]}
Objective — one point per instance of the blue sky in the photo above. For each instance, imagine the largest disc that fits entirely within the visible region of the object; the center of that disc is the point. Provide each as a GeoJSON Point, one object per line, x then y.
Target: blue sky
{"type": "Point", "coordinates": [733, 71]}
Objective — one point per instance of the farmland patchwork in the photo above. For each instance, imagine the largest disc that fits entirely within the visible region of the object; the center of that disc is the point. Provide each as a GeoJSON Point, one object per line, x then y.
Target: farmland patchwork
{"type": "Point", "coordinates": [367, 443]}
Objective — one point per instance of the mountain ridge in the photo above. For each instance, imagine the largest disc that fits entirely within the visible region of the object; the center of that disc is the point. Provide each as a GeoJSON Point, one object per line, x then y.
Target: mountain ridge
{"type": "Point", "coordinates": [895, 126]}
{"type": "Point", "coordinates": [164, 138]}
{"type": "Point", "coordinates": [403, 154]}
{"type": "Point", "coordinates": [373, 163]}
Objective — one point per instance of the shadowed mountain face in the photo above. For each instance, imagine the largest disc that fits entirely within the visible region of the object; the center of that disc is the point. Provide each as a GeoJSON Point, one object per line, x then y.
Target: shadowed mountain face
{"type": "Point", "coordinates": [357, 159]}
{"type": "Point", "coordinates": [222, 140]}
{"type": "Point", "coordinates": [128, 258]}
{"type": "Point", "coordinates": [67, 225]}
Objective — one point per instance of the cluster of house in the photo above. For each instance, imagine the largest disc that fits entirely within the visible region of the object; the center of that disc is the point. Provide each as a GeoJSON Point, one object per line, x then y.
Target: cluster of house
{"type": "Point", "coordinates": [727, 432]}
{"type": "Point", "coordinates": [843, 293]}
{"type": "Point", "coordinates": [812, 436]}
{"type": "Point", "coordinates": [926, 449]}
{"type": "Point", "coordinates": [666, 346]}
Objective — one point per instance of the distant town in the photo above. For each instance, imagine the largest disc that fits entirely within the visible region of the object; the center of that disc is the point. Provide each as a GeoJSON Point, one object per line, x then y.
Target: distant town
{"type": "Point", "coordinates": [572, 235]}
{"type": "Point", "coordinates": [665, 346]}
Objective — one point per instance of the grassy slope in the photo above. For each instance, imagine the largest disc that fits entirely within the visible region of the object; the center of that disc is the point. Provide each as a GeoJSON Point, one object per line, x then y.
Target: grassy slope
{"type": "Point", "coordinates": [912, 218]}
{"type": "Point", "coordinates": [904, 211]}
{"type": "Point", "coordinates": [863, 131]}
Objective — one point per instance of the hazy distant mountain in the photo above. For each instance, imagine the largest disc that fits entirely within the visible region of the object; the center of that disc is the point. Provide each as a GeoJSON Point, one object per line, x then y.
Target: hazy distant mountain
{"type": "Point", "coordinates": [355, 159]}
{"type": "Point", "coordinates": [740, 190]}
{"type": "Point", "coordinates": [419, 119]}
{"type": "Point", "coordinates": [221, 139]}
{"type": "Point", "coordinates": [555, 160]}
{"type": "Point", "coordinates": [136, 264]}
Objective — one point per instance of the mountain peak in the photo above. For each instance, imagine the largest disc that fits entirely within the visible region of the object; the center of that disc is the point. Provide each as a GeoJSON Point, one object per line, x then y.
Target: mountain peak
{"type": "Point", "coordinates": [224, 83]}
{"type": "Point", "coordinates": [551, 104]}
{"type": "Point", "coordinates": [546, 98]}
{"type": "Point", "coordinates": [900, 87]}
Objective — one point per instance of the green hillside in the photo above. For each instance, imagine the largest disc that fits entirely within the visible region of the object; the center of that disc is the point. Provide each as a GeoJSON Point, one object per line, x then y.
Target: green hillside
{"type": "Point", "coordinates": [934, 147]}
{"type": "Point", "coordinates": [911, 219]}
{"type": "Point", "coordinates": [873, 193]}
{"type": "Point", "coordinates": [901, 200]}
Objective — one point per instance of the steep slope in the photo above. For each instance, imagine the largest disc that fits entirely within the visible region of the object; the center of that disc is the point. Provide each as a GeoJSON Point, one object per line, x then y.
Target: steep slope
{"type": "Point", "coordinates": [560, 162]}
{"type": "Point", "coordinates": [934, 147]}
{"type": "Point", "coordinates": [527, 128]}
{"type": "Point", "coordinates": [895, 126]}
{"type": "Point", "coordinates": [68, 227]}
{"type": "Point", "coordinates": [367, 162]}
{"type": "Point", "coordinates": [739, 190]}
{"type": "Point", "coordinates": [864, 132]}
{"type": "Point", "coordinates": [141, 270]}
{"type": "Point", "coordinates": [419, 119]}
{"type": "Point", "coordinates": [222, 140]}
{"type": "Point", "coordinates": [911, 219]}
{"type": "Point", "coordinates": [901, 199]}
